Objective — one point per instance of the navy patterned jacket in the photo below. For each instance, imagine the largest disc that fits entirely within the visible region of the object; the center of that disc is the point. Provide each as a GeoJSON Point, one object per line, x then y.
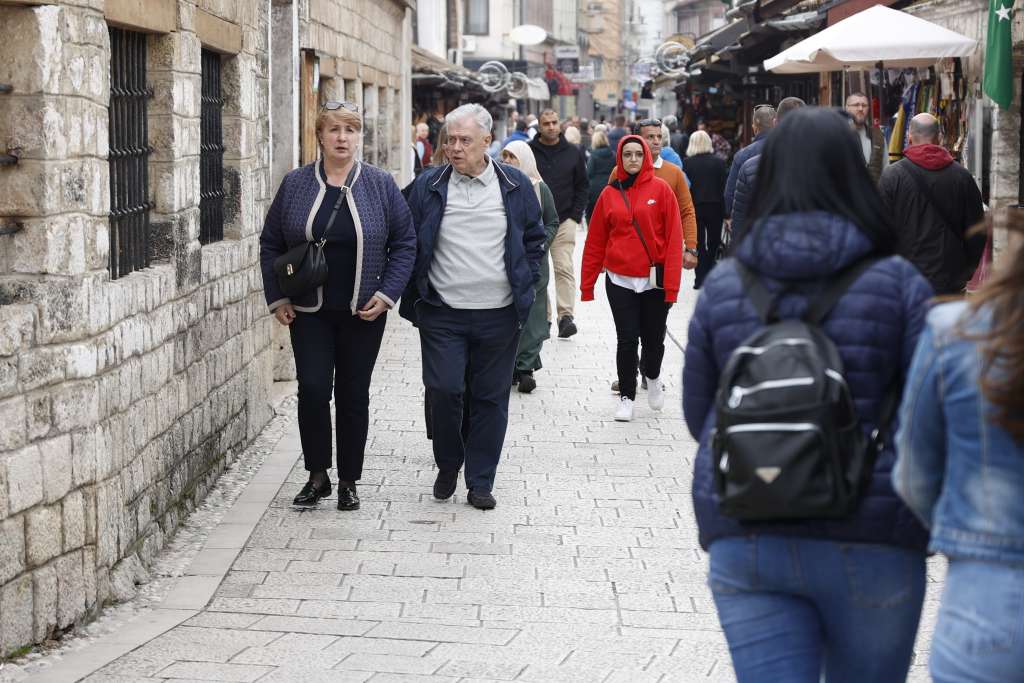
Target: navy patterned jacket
{"type": "Point", "coordinates": [874, 326]}
{"type": "Point", "coordinates": [385, 239]}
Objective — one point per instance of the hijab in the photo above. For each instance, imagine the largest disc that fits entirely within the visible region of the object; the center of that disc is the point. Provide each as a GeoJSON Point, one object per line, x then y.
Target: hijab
{"type": "Point", "coordinates": [527, 162]}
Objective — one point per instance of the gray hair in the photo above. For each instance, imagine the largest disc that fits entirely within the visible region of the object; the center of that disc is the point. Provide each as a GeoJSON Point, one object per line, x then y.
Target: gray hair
{"type": "Point", "coordinates": [924, 128]}
{"type": "Point", "coordinates": [480, 115]}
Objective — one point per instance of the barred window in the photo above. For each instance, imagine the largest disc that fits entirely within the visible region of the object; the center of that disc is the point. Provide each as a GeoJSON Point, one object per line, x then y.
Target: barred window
{"type": "Point", "coordinates": [477, 18]}
{"type": "Point", "coordinates": [129, 153]}
{"type": "Point", "coordinates": [211, 152]}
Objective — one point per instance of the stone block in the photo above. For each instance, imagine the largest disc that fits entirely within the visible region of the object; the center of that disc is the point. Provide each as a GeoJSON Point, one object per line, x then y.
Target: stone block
{"type": "Point", "coordinates": [83, 456]}
{"type": "Point", "coordinates": [15, 428]}
{"type": "Point", "coordinates": [12, 548]}
{"type": "Point", "coordinates": [70, 589]}
{"type": "Point", "coordinates": [44, 602]}
{"type": "Point", "coordinates": [80, 360]}
{"type": "Point", "coordinates": [38, 414]}
{"type": "Point", "coordinates": [126, 576]}
{"type": "Point", "coordinates": [89, 579]}
{"type": "Point", "coordinates": [15, 613]}
{"type": "Point", "coordinates": [75, 405]}
{"type": "Point", "coordinates": [43, 534]}
{"type": "Point", "coordinates": [16, 323]}
{"type": "Point", "coordinates": [24, 479]}
{"type": "Point", "coordinates": [73, 521]}
{"type": "Point", "coordinates": [55, 455]}
{"type": "Point", "coordinates": [40, 367]}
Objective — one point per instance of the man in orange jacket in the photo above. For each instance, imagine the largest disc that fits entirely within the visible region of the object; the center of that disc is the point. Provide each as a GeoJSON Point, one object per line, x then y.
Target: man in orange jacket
{"type": "Point", "coordinates": [650, 131]}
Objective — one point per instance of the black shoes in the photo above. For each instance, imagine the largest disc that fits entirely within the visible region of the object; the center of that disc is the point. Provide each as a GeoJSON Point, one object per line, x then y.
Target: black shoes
{"type": "Point", "coordinates": [311, 494]}
{"type": "Point", "coordinates": [482, 500]}
{"type": "Point", "coordinates": [526, 382]}
{"type": "Point", "coordinates": [566, 327]}
{"type": "Point", "coordinates": [347, 497]}
{"type": "Point", "coordinates": [444, 485]}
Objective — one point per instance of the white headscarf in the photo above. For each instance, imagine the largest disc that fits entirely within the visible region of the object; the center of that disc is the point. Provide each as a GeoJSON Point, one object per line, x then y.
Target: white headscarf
{"type": "Point", "coordinates": [527, 162]}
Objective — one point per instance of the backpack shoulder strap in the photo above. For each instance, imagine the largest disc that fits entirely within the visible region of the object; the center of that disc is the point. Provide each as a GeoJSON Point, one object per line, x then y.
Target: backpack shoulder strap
{"type": "Point", "coordinates": [917, 175]}
{"type": "Point", "coordinates": [763, 300]}
{"type": "Point", "coordinates": [819, 308]}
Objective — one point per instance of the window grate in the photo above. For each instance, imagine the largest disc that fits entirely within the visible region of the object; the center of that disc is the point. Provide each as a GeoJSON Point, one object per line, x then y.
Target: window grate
{"type": "Point", "coordinates": [129, 153]}
{"type": "Point", "coordinates": [211, 154]}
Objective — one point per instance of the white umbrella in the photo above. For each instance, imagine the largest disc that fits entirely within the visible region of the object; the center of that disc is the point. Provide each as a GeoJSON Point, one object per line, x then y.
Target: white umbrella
{"type": "Point", "coordinates": [878, 34]}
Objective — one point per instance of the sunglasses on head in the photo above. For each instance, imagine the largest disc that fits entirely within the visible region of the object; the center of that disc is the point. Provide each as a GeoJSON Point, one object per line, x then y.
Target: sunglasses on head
{"type": "Point", "coordinates": [649, 122]}
{"type": "Point", "coordinates": [333, 105]}
{"type": "Point", "coordinates": [764, 106]}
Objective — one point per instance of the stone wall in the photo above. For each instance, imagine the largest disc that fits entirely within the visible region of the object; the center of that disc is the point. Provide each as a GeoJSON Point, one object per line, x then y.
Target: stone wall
{"type": "Point", "coordinates": [120, 400]}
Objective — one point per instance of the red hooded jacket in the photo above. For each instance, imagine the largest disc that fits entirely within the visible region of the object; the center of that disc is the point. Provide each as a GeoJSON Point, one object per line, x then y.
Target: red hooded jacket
{"type": "Point", "coordinates": [612, 242]}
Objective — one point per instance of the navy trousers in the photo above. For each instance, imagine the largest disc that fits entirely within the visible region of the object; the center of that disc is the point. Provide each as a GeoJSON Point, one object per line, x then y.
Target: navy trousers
{"type": "Point", "coordinates": [474, 349]}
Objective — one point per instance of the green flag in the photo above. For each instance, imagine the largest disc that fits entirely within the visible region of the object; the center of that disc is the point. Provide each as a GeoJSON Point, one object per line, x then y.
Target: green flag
{"type": "Point", "coordinates": [998, 83]}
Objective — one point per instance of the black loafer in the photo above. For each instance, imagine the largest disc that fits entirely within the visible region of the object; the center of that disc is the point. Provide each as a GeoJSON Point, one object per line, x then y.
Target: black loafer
{"type": "Point", "coordinates": [347, 497]}
{"type": "Point", "coordinates": [526, 382]}
{"type": "Point", "coordinates": [310, 495]}
{"type": "Point", "coordinates": [444, 485]}
{"type": "Point", "coordinates": [482, 500]}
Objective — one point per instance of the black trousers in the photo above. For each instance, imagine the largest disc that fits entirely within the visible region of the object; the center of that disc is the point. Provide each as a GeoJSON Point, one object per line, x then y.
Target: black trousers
{"type": "Point", "coordinates": [335, 349]}
{"type": "Point", "coordinates": [638, 318]}
{"type": "Point", "coordinates": [472, 350]}
{"type": "Point", "coordinates": [709, 238]}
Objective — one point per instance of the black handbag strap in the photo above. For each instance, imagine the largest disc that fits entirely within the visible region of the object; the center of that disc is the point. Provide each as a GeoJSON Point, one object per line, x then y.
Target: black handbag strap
{"type": "Point", "coordinates": [636, 226]}
{"type": "Point", "coordinates": [337, 205]}
{"type": "Point", "coordinates": [922, 185]}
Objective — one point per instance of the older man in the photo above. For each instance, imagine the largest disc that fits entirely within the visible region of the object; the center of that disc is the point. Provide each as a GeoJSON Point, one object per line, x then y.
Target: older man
{"type": "Point", "coordinates": [480, 242]}
{"type": "Point", "coordinates": [934, 202]}
{"type": "Point", "coordinates": [763, 122]}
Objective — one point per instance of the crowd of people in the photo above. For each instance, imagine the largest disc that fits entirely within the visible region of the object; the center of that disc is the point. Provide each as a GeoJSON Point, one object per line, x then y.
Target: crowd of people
{"type": "Point", "coordinates": [848, 422]}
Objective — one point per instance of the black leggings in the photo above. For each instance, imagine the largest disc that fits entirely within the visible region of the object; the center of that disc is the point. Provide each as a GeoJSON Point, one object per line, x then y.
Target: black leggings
{"type": "Point", "coordinates": [638, 318]}
{"type": "Point", "coordinates": [335, 349]}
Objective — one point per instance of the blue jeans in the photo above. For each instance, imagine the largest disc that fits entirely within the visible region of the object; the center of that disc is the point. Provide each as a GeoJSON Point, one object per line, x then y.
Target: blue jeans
{"type": "Point", "coordinates": [792, 608]}
{"type": "Point", "coordinates": [980, 632]}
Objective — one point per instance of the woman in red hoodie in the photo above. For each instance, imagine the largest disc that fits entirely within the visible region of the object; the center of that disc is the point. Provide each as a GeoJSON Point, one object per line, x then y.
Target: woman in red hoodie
{"type": "Point", "coordinates": [635, 236]}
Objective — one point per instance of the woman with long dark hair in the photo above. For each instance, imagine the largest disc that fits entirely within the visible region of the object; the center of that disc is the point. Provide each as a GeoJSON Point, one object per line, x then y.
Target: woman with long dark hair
{"type": "Point", "coordinates": [804, 597]}
{"type": "Point", "coordinates": [961, 469]}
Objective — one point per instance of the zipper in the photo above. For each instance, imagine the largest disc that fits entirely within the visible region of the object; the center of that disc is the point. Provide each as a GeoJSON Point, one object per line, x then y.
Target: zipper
{"type": "Point", "coordinates": [738, 393]}
{"type": "Point", "coordinates": [758, 350]}
{"type": "Point", "coordinates": [773, 427]}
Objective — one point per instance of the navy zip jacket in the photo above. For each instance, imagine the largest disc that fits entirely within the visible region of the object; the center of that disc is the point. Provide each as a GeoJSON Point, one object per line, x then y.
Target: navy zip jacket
{"type": "Point", "coordinates": [751, 150]}
{"type": "Point", "coordinates": [524, 240]}
{"type": "Point", "coordinates": [875, 327]}
{"type": "Point", "coordinates": [743, 195]}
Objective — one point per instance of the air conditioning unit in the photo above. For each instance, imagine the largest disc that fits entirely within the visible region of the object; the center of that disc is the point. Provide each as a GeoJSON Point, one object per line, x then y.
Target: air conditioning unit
{"type": "Point", "coordinates": [453, 55]}
{"type": "Point", "coordinates": [469, 43]}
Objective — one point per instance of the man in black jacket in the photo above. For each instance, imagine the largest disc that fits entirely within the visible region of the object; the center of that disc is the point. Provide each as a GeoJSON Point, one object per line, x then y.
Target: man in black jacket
{"type": "Point", "coordinates": [564, 170]}
{"type": "Point", "coordinates": [934, 202]}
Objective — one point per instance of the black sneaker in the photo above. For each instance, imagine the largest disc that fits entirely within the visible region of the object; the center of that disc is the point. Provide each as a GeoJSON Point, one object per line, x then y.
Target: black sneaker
{"type": "Point", "coordinates": [566, 327]}
{"type": "Point", "coordinates": [526, 382]}
{"type": "Point", "coordinates": [444, 484]}
{"type": "Point", "coordinates": [482, 500]}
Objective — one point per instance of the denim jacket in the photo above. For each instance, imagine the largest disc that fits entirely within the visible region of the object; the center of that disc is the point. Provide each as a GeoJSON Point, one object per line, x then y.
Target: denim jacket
{"type": "Point", "coordinates": [959, 472]}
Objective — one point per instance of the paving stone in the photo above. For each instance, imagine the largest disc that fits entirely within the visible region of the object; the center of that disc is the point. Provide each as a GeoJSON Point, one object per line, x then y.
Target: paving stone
{"type": "Point", "coordinates": [208, 671]}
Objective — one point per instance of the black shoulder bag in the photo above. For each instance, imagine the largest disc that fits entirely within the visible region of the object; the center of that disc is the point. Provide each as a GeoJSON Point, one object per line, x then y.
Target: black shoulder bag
{"type": "Point", "coordinates": [304, 266]}
{"type": "Point", "coordinates": [657, 276]}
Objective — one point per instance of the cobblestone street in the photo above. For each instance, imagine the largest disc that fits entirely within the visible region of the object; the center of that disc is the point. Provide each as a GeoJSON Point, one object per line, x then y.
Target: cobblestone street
{"type": "Point", "coordinates": [588, 569]}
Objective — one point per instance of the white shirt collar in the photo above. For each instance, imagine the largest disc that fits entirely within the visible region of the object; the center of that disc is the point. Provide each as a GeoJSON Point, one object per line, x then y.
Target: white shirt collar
{"type": "Point", "coordinates": [658, 161]}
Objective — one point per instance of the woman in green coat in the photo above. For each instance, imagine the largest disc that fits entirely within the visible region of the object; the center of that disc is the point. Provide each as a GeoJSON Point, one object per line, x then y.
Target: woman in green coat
{"type": "Point", "coordinates": [518, 154]}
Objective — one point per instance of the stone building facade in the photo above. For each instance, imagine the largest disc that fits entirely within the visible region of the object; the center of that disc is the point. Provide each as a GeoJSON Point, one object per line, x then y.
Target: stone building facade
{"type": "Point", "coordinates": [352, 50]}
{"type": "Point", "coordinates": [124, 391]}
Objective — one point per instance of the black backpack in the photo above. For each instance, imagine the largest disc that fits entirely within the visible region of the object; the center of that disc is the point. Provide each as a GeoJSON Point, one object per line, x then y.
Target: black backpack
{"type": "Point", "coordinates": [788, 443]}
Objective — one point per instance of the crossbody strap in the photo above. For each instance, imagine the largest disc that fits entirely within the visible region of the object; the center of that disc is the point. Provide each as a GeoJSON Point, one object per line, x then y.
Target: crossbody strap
{"type": "Point", "coordinates": [922, 185]}
{"type": "Point", "coordinates": [636, 226]}
{"type": "Point", "coordinates": [337, 205]}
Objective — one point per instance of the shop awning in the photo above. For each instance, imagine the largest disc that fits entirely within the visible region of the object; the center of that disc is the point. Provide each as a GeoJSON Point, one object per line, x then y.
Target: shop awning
{"type": "Point", "coordinates": [537, 89]}
{"type": "Point", "coordinates": [878, 34]}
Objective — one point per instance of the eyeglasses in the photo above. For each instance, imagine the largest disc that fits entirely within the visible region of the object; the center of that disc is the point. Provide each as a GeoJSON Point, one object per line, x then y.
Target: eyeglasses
{"type": "Point", "coordinates": [333, 105]}
{"type": "Point", "coordinates": [649, 122]}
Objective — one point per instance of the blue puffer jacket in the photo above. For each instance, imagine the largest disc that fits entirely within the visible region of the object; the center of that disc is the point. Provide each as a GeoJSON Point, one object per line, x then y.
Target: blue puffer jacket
{"type": "Point", "coordinates": [524, 239]}
{"type": "Point", "coordinates": [875, 327]}
{"type": "Point", "coordinates": [740, 158]}
{"type": "Point", "coordinates": [741, 199]}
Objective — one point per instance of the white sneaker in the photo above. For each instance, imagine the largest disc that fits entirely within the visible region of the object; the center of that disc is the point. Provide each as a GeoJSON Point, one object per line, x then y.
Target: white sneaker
{"type": "Point", "coordinates": [656, 393]}
{"type": "Point", "coordinates": [624, 413]}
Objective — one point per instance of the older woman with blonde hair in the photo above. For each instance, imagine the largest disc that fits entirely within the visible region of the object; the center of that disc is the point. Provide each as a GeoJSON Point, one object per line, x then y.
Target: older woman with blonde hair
{"type": "Point", "coordinates": [707, 173]}
{"type": "Point", "coordinates": [353, 215]}
{"type": "Point", "coordinates": [517, 153]}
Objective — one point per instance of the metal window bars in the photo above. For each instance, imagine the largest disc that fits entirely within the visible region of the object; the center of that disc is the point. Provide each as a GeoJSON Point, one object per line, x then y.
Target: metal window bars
{"type": "Point", "coordinates": [129, 153]}
{"type": "Point", "coordinates": [211, 152]}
